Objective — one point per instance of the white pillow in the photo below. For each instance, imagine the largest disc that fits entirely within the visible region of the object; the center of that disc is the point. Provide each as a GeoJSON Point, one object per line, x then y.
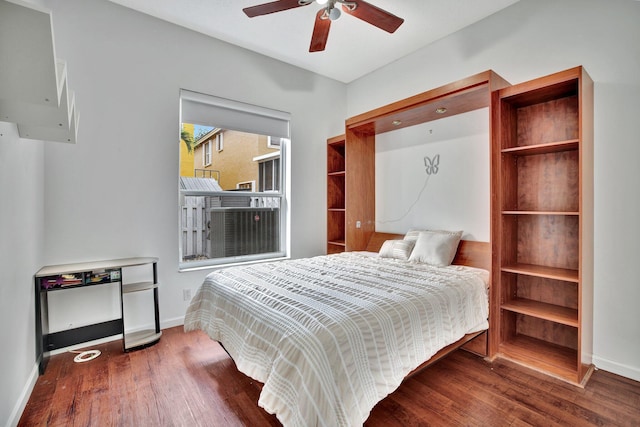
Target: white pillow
{"type": "Point", "coordinates": [398, 249]}
{"type": "Point", "coordinates": [413, 234]}
{"type": "Point", "coordinates": [436, 247]}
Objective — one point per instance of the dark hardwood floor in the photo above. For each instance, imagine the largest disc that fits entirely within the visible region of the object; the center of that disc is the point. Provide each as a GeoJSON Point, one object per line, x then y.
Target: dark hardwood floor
{"type": "Point", "coordinates": [188, 380]}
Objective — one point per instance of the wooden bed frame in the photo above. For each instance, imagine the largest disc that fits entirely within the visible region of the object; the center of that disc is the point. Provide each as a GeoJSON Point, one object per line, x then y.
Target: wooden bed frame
{"type": "Point", "coordinates": [470, 253]}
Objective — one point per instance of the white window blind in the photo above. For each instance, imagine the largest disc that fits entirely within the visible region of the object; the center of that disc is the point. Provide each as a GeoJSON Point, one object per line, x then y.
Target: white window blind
{"type": "Point", "coordinates": [200, 109]}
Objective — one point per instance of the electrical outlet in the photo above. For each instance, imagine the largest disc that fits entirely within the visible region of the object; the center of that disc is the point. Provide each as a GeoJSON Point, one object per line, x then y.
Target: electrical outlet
{"type": "Point", "coordinates": [186, 294]}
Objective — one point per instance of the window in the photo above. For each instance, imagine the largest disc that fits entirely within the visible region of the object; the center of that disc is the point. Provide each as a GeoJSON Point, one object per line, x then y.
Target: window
{"type": "Point", "coordinates": [239, 213]}
{"type": "Point", "coordinates": [269, 175]}
{"type": "Point", "coordinates": [246, 186]}
{"type": "Point", "coordinates": [206, 154]}
{"type": "Point", "coordinates": [274, 142]}
{"type": "Point", "coordinates": [219, 142]}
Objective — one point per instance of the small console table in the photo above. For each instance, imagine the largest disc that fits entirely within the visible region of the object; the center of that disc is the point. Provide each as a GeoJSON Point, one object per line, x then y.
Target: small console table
{"type": "Point", "coordinates": [54, 278]}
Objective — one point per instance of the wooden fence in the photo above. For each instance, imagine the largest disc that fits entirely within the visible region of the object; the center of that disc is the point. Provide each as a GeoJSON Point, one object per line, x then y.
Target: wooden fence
{"type": "Point", "coordinates": [194, 231]}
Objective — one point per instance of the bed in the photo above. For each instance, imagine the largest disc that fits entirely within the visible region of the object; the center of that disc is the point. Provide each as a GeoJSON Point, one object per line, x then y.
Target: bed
{"type": "Point", "coordinates": [330, 336]}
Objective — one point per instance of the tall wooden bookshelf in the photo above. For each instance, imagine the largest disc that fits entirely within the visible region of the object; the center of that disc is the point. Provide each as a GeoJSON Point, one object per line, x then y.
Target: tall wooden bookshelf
{"type": "Point", "coordinates": [542, 224]}
{"type": "Point", "coordinates": [336, 174]}
{"type": "Point", "coordinates": [350, 193]}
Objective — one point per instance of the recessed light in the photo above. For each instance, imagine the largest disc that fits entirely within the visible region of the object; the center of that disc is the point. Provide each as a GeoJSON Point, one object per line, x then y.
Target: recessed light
{"type": "Point", "coordinates": [396, 122]}
{"type": "Point", "coordinates": [441, 110]}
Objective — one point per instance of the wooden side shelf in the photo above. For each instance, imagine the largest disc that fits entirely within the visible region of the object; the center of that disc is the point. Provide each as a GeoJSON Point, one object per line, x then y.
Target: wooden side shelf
{"type": "Point", "coordinates": [554, 359]}
{"type": "Point", "coordinates": [336, 194]}
{"type": "Point", "coordinates": [542, 224]}
{"type": "Point", "coordinates": [540, 213]}
{"type": "Point", "coordinates": [551, 147]}
{"type": "Point", "coordinates": [542, 271]}
{"type": "Point", "coordinates": [541, 310]}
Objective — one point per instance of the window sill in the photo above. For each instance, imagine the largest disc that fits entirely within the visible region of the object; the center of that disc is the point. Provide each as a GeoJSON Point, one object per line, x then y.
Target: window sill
{"type": "Point", "coordinates": [185, 268]}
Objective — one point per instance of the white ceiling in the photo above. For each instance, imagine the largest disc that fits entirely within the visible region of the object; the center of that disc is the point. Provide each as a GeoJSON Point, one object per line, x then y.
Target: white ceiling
{"type": "Point", "coordinates": [354, 48]}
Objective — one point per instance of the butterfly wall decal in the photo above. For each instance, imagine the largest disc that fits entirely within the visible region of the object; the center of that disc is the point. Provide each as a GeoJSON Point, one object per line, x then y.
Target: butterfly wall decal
{"type": "Point", "coordinates": [432, 165]}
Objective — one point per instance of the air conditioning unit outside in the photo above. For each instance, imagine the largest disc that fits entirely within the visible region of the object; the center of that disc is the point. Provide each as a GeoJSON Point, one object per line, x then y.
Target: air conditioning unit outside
{"type": "Point", "coordinates": [243, 231]}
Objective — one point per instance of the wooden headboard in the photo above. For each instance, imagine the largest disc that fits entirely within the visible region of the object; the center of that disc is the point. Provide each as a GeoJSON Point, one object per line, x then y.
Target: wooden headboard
{"type": "Point", "coordinates": [470, 252]}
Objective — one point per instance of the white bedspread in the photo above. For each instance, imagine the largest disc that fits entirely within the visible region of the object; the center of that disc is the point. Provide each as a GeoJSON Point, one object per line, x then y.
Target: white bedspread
{"type": "Point", "coordinates": [331, 336]}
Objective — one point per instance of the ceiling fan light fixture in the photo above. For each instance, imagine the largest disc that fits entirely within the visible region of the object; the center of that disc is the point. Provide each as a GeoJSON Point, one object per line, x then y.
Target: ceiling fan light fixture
{"type": "Point", "coordinates": [329, 12]}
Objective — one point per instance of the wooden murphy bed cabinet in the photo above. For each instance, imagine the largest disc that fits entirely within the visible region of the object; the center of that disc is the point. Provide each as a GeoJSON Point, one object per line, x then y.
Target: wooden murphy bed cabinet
{"type": "Point", "coordinates": [542, 224]}
{"type": "Point", "coordinates": [351, 159]}
{"type": "Point", "coordinates": [541, 208]}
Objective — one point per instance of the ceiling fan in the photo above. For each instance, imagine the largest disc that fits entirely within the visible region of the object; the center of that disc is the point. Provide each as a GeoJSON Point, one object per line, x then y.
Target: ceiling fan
{"type": "Point", "coordinates": [329, 12]}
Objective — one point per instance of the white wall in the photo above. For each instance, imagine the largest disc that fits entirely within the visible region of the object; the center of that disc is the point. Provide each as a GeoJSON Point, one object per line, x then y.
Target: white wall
{"type": "Point", "coordinates": [455, 196]}
{"type": "Point", "coordinates": [21, 255]}
{"type": "Point", "coordinates": [115, 193]}
{"type": "Point", "coordinates": [531, 39]}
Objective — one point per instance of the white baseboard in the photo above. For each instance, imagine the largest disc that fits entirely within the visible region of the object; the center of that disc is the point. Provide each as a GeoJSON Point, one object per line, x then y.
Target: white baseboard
{"type": "Point", "coordinates": [170, 323]}
{"type": "Point", "coordinates": [14, 418]}
{"type": "Point", "coordinates": [627, 371]}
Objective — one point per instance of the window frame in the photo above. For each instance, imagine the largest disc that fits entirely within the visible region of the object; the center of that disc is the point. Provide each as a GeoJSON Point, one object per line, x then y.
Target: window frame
{"type": "Point", "coordinates": [278, 199]}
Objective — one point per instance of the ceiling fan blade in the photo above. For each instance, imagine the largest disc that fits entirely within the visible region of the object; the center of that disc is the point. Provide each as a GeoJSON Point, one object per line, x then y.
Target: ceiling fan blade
{"type": "Point", "coordinates": [320, 32]}
{"type": "Point", "coordinates": [374, 15]}
{"type": "Point", "coordinates": [274, 6]}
